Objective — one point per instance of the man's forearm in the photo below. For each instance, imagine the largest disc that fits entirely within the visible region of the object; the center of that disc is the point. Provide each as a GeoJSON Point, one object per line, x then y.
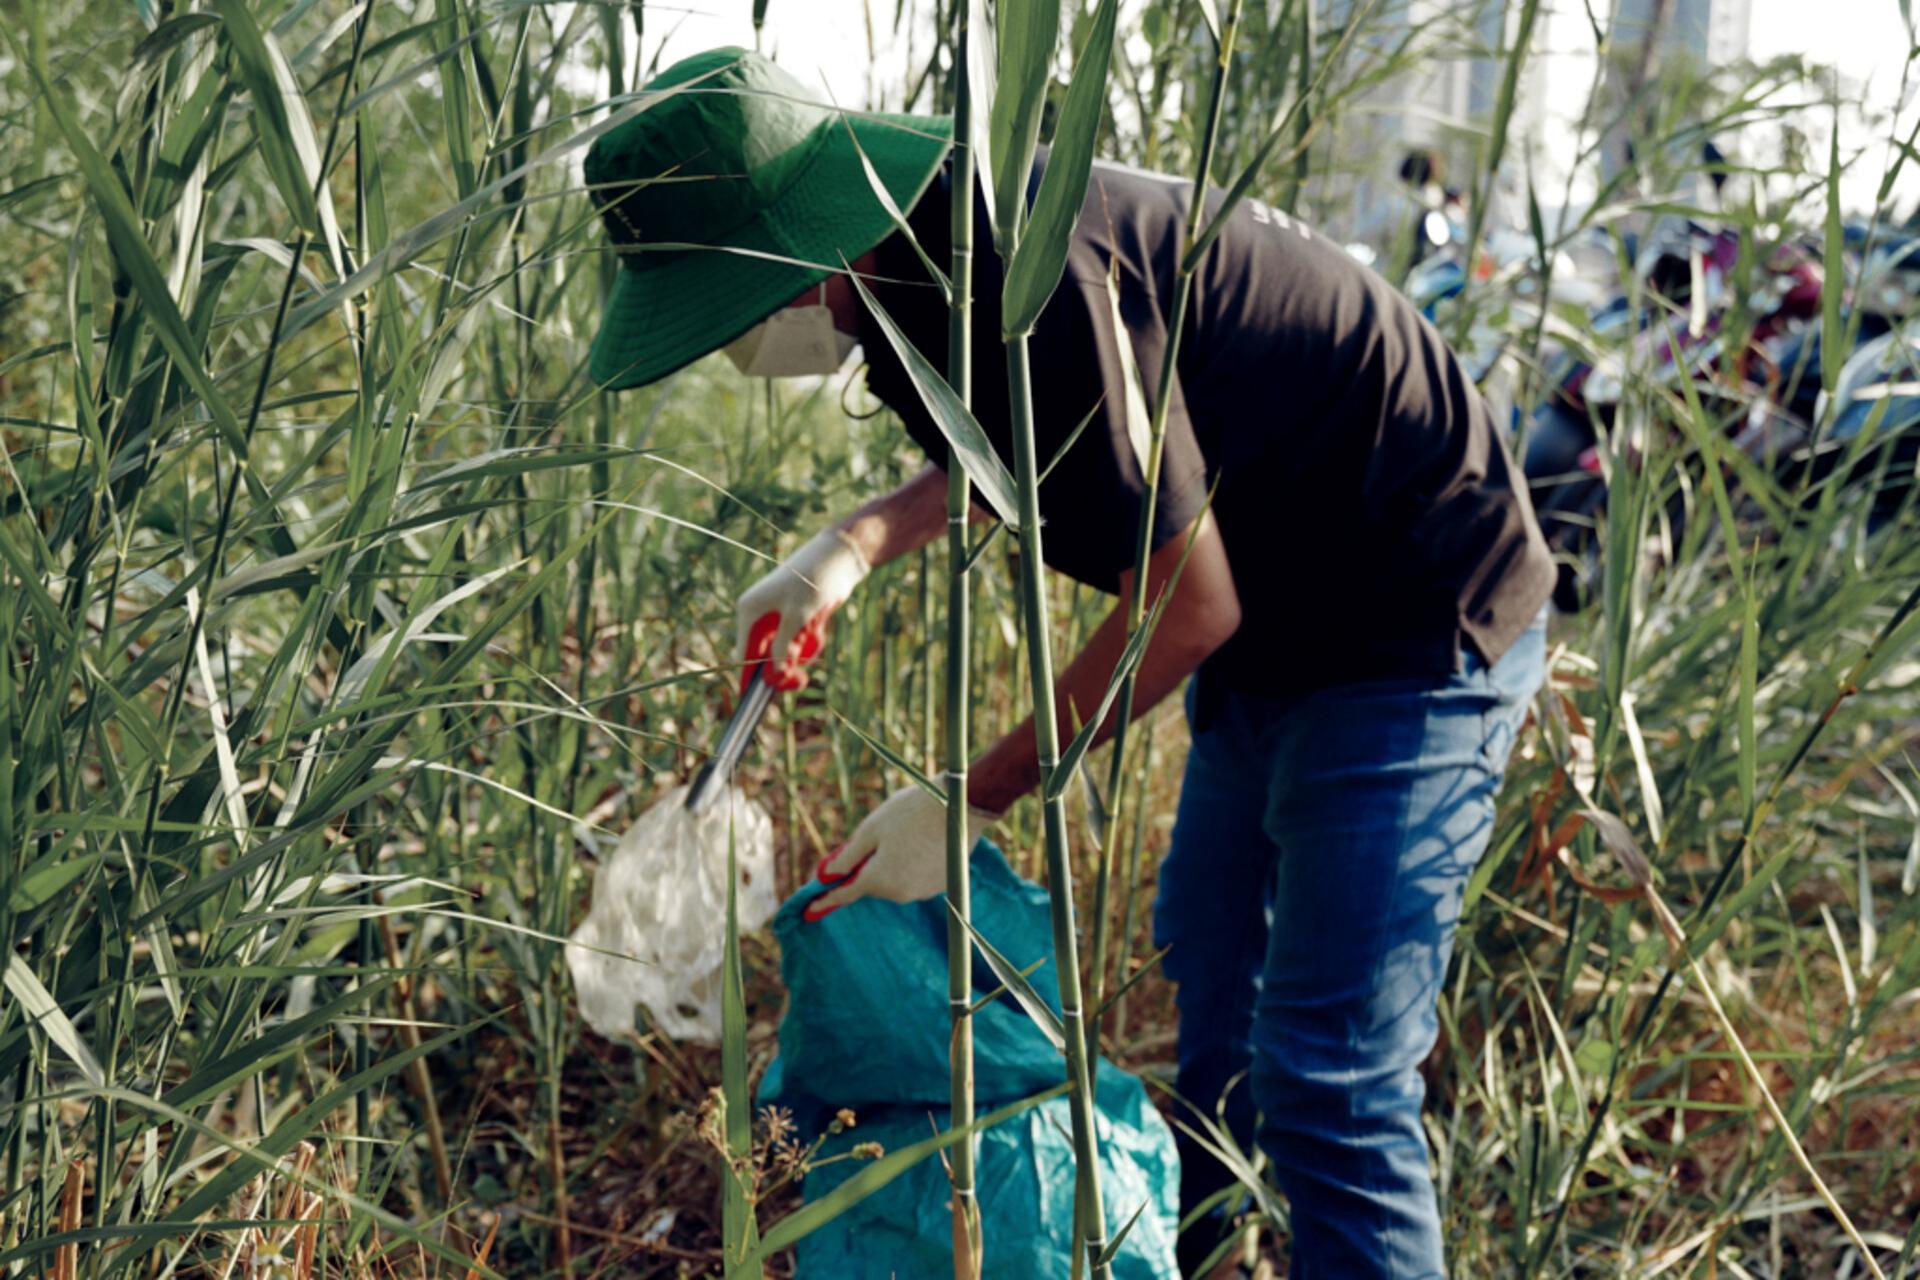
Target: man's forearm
{"type": "Point", "coordinates": [902, 520]}
{"type": "Point", "coordinates": [1011, 767]}
{"type": "Point", "coordinates": [1202, 614]}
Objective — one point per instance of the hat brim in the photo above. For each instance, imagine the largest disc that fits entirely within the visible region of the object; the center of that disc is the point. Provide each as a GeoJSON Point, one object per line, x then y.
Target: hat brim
{"type": "Point", "coordinates": [671, 305]}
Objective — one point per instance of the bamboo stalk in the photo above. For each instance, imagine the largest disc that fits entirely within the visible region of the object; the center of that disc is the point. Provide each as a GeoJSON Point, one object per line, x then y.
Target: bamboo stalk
{"type": "Point", "coordinates": [417, 1073]}
{"type": "Point", "coordinates": [1304, 119]}
{"type": "Point", "coordinates": [1046, 733]}
{"type": "Point", "coordinates": [1497, 146]}
{"type": "Point", "coordinates": [1027, 34]}
{"type": "Point", "coordinates": [66, 1259]}
{"type": "Point", "coordinates": [968, 1240]}
{"type": "Point", "coordinates": [362, 1038]}
{"type": "Point", "coordinates": [307, 1244]}
{"type": "Point", "coordinates": [1149, 499]}
{"type": "Point", "coordinates": [740, 1233]}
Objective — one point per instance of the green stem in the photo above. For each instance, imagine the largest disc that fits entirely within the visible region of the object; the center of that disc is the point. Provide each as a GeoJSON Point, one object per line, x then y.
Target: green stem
{"type": "Point", "coordinates": [1046, 732]}
{"type": "Point", "coordinates": [1149, 499]}
{"type": "Point", "coordinates": [1303, 120]}
{"type": "Point", "coordinates": [1129, 905]}
{"type": "Point", "coordinates": [1502, 117]}
{"type": "Point", "coordinates": [967, 1238]}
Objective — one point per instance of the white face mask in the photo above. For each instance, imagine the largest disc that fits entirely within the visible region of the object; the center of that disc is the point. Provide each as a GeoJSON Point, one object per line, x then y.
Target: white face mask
{"type": "Point", "coordinates": [794, 342]}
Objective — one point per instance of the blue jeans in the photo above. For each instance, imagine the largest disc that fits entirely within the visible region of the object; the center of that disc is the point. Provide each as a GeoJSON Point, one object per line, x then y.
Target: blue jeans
{"type": "Point", "coordinates": [1309, 900]}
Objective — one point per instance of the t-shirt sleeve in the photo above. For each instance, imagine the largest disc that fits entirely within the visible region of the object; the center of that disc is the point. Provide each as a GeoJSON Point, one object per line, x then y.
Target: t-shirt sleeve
{"type": "Point", "coordinates": [1090, 502]}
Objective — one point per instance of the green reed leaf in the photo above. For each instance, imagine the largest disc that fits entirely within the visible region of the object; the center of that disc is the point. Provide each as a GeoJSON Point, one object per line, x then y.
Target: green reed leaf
{"type": "Point", "coordinates": [1041, 257]}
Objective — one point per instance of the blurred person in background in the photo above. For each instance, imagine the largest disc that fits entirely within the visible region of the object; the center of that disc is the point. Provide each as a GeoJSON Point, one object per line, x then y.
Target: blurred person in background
{"type": "Point", "coordinates": [1360, 609]}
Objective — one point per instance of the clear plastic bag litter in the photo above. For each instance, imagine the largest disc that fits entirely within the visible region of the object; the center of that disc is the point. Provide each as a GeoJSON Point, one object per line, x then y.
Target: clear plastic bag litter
{"type": "Point", "coordinates": [660, 909]}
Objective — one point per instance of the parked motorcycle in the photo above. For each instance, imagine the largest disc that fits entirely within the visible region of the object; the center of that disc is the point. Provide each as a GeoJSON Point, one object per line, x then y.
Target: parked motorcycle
{"type": "Point", "coordinates": [1677, 334]}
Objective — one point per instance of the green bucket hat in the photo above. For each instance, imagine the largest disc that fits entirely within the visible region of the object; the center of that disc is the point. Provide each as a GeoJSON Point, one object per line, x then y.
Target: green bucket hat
{"type": "Point", "coordinates": [727, 199]}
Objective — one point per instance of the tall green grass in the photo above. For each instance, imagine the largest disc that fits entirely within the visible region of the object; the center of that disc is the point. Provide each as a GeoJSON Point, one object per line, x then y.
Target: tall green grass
{"type": "Point", "coordinates": [342, 623]}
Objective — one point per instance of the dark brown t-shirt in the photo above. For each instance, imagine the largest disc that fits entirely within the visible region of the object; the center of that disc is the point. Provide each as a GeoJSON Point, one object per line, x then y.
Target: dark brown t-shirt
{"type": "Point", "coordinates": [1373, 518]}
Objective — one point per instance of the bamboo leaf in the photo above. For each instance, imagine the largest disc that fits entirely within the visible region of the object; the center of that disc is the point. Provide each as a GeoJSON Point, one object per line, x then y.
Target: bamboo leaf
{"type": "Point", "coordinates": [1832, 336]}
{"type": "Point", "coordinates": [1147, 966]}
{"type": "Point", "coordinates": [277, 1042]}
{"type": "Point", "coordinates": [893, 758]}
{"type": "Point", "coordinates": [1112, 1251]}
{"type": "Point", "coordinates": [1041, 257]}
{"type": "Point", "coordinates": [1210, 12]}
{"type": "Point", "coordinates": [455, 95]}
{"type": "Point", "coordinates": [282, 125]}
{"type": "Point", "coordinates": [51, 874]}
{"type": "Point", "coordinates": [894, 215]}
{"type": "Point", "coordinates": [297, 1126]}
{"type": "Point", "coordinates": [1097, 815]}
{"type": "Point", "coordinates": [1749, 678]}
{"type": "Point", "coordinates": [1295, 114]}
{"type": "Point", "coordinates": [980, 548]}
{"type": "Point", "coordinates": [230, 787]}
{"type": "Point", "coordinates": [1910, 869]}
{"type": "Point", "coordinates": [263, 1155]}
{"type": "Point", "coordinates": [1619, 841]}
{"type": "Point", "coordinates": [19, 195]}
{"type": "Point", "coordinates": [355, 773]}
{"type": "Point", "coordinates": [956, 422]}
{"type": "Point", "coordinates": [166, 965]}
{"type": "Point", "coordinates": [401, 250]}
{"type": "Point", "coordinates": [16, 901]}
{"type": "Point", "coordinates": [1027, 31]}
{"type": "Point", "coordinates": [279, 114]}
{"type": "Point", "coordinates": [1515, 58]}
{"type": "Point", "coordinates": [997, 992]}
{"type": "Point", "coordinates": [41, 1009]}
{"type": "Point", "coordinates": [1742, 901]}
{"type": "Point", "coordinates": [372, 666]}
{"type": "Point", "coordinates": [168, 36]}
{"type": "Point", "coordinates": [131, 250]}
{"type": "Point", "coordinates": [1130, 657]}
{"type": "Point", "coordinates": [1065, 445]}
{"type": "Point", "coordinates": [982, 48]}
{"type": "Point", "coordinates": [152, 1233]}
{"type": "Point", "coordinates": [1139, 420]}
{"type": "Point", "coordinates": [1643, 768]}
{"type": "Point", "coordinates": [1014, 980]}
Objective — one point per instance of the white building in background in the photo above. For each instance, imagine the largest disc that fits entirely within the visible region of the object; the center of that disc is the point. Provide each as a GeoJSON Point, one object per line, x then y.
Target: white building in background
{"type": "Point", "coordinates": [1444, 106]}
{"type": "Point", "coordinates": [1713, 31]}
{"type": "Point", "coordinates": [1447, 106]}
{"type": "Point", "coordinates": [1729, 30]}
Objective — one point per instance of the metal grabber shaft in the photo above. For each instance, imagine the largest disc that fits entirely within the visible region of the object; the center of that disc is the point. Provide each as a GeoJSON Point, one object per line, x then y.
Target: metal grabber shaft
{"type": "Point", "coordinates": [717, 772]}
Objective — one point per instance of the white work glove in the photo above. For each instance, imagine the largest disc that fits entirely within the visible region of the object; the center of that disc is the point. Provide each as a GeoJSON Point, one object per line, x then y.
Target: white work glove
{"type": "Point", "coordinates": [781, 619]}
{"type": "Point", "coordinates": [899, 853]}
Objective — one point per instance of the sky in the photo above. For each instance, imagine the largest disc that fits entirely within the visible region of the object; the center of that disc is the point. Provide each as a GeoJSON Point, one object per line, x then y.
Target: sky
{"type": "Point", "coordinates": [829, 43]}
{"type": "Point", "coordinates": [1867, 41]}
{"type": "Point", "coordinates": [1865, 38]}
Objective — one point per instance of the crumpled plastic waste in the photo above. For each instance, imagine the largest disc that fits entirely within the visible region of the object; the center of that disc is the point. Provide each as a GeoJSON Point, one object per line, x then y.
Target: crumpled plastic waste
{"type": "Point", "coordinates": [655, 934]}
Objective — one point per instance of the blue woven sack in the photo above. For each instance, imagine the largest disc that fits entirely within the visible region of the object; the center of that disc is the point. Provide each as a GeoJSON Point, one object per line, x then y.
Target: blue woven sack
{"type": "Point", "coordinates": [866, 1029]}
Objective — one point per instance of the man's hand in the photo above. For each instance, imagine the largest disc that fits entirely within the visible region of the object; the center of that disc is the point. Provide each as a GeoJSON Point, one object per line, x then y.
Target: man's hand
{"type": "Point", "coordinates": [898, 853]}
{"type": "Point", "coordinates": [781, 620]}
